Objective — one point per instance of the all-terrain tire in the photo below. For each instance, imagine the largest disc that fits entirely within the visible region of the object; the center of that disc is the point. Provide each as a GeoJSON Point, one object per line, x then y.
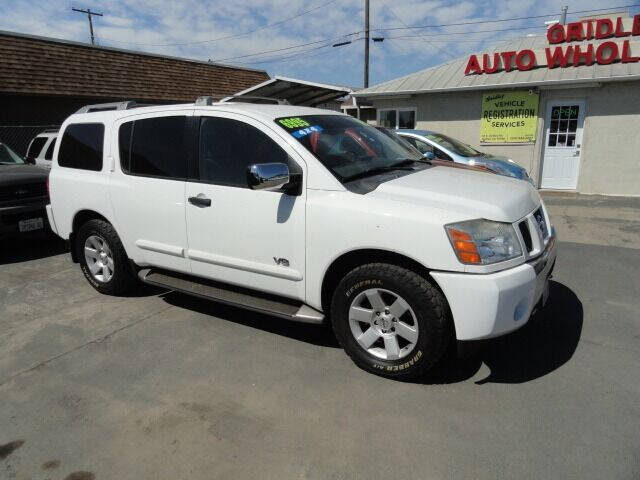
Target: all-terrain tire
{"type": "Point", "coordinates": [429, 310]}
{"type": "Point", "coordinates": [123, 277]}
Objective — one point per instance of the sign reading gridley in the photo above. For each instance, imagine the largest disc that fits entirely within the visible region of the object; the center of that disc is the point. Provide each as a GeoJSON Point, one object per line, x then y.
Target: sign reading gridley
{"type": "Point", "coordinates": [509, 117]}
{"type": "Point", "coordinates": [603, 53]}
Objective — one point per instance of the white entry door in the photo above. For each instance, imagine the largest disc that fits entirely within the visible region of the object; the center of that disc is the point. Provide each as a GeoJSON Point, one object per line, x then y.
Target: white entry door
{"type": "Point", "coordinates": [563, 141]}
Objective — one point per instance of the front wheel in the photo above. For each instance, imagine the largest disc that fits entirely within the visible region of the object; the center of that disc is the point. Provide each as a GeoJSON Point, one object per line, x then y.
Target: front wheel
{"type": "Point", "coordinates": [390, 320]}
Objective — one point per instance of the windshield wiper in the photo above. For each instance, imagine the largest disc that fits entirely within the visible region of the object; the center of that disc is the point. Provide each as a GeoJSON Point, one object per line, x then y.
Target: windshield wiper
{"type": "Point", "coordinates": [401, 165]}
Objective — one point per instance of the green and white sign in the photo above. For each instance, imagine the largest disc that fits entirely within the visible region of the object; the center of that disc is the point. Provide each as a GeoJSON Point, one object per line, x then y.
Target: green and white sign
{"type": "Point", "coordinates": [509, 117]}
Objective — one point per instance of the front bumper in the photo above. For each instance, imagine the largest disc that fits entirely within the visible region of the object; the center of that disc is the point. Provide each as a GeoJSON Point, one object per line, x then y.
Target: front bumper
{"type": "Point", "coordinates": [486, 306]}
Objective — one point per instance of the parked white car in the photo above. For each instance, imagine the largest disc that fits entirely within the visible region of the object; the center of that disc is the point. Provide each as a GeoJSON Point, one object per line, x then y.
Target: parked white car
{"type": "Point", "coordinates": [301, 213]}
{"type": "Point", "coordinates": [40, 149]}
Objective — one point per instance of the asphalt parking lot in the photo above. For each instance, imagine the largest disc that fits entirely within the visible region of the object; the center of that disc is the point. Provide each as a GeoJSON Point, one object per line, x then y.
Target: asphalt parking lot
{"type": "Point", "coordinates": [162, 385]}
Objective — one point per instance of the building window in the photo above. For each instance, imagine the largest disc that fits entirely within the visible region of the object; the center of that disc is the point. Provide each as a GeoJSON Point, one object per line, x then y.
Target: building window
{"type": "Point", "coordinates": [397, 118]}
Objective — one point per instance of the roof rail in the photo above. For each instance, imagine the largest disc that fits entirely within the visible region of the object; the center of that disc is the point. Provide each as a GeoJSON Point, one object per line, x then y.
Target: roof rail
{"type": "Point", "coordinates": [255, 99]}
{"type": "Point", "coordinates": [51, 130]}
{"type": "Point", "coordinates": [205, 100]}
{"type": "Point", "coordinates": [103, 107]}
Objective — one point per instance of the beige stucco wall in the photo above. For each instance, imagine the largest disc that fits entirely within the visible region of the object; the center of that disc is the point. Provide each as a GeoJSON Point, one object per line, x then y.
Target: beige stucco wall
{"type": "Point", "coordinates": [610, 158]}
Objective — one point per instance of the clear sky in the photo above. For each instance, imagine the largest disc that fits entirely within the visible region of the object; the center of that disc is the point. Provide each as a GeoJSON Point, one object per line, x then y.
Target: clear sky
{"type": "Point", "coordinates": [220, 30]}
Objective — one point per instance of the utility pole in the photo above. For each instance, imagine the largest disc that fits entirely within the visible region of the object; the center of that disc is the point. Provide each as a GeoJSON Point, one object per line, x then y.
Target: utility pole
{"type": "Point", "coordinates": [563, 15]}
{"type": "Point", "coordinates": [89, 15]}
{"type": "Point", "coordinates": [366, 43]}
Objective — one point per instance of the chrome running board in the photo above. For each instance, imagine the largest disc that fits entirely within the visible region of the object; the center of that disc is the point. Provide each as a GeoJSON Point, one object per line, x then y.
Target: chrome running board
{"type": "Point", "coordinates": [231, 295]}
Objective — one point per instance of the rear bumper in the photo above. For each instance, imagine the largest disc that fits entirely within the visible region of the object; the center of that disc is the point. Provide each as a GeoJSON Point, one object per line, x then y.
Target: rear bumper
{"type": "Point", "coordinates": [486, 306]}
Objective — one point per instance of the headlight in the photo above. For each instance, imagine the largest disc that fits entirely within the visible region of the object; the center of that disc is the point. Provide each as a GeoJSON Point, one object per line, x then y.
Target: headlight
{"type": "Point", "coordinates": [482, 242]}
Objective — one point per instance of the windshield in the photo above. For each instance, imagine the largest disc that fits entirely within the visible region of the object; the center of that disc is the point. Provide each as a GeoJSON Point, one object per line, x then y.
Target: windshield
{"type": "Point", "coordinates": [454, 145]}
{"type": "Point", "coordinates": [349, 148]}
{"type": "Point", "coordinates": [9, 157]}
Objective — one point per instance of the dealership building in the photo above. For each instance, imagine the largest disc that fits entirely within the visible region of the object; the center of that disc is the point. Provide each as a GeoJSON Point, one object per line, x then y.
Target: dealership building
{"type": "Point", "coordinates": [565, 104]}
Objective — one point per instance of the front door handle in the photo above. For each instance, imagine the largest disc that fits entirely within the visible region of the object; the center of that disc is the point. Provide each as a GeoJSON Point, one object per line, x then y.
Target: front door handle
{"type": "Point", "coordinates": [200, 201]}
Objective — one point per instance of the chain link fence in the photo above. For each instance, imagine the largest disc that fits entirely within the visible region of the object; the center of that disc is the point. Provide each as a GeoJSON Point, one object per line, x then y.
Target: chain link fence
{"type": "Point", "coordinates": [17, 137]}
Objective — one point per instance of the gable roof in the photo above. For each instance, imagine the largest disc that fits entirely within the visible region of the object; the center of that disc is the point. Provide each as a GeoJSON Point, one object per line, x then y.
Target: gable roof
{"type": "Point", "coordinates": [48, 66]}
{"type": "Point", "coordinates": [450, 76]}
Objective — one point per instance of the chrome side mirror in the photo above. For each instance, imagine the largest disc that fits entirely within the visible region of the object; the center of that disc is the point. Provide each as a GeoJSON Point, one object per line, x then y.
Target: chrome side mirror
{"type": "Point", "coordinates": [429, 155]}
{"type": "Point", "coordinates": [267, 176]}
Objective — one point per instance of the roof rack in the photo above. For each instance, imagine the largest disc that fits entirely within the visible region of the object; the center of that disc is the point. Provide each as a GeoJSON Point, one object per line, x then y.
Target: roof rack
{"type": "Point", "coordinates": [103, 107]}
{"type": "Point", "coordinates": [255, 99]}
{"type": "Point", "coordinates": [205, 100]}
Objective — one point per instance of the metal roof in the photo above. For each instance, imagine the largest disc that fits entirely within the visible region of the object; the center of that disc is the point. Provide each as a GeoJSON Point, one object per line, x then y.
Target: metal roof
{"type": "Point", "coordinates": [450, 76]}
{"type": "Point", "coordinates": [296, 92]}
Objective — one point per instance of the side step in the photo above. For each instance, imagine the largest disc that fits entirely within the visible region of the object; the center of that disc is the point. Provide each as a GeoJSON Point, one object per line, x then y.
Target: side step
{"type": "Point", "coordinates": [237, 296]}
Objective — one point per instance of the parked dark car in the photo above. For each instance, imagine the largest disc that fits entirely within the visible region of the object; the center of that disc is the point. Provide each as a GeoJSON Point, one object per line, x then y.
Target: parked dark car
{"type": "Point", "coordinates": [23, 195]}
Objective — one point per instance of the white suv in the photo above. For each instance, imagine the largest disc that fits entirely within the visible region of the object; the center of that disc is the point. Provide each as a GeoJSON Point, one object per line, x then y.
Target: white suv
{"type": "Point", "coordinates": [40, 150]}
{"type": "Point", "coordinates": [301, 213]}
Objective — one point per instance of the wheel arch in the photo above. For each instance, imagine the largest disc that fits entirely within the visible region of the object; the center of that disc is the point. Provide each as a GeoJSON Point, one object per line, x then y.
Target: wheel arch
{"type": "Point", "coordinates": [80, 218]}
{"type": "Point", "coordinates": [354, 258]}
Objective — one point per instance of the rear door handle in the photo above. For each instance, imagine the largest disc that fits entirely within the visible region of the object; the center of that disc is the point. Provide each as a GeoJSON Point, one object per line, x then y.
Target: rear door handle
{"type": "Point", "coordinates": [200, 201]}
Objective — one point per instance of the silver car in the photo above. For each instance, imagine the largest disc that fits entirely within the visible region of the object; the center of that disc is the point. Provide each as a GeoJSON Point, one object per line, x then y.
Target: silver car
{"type": "Point", "coordinates": [436, 145]}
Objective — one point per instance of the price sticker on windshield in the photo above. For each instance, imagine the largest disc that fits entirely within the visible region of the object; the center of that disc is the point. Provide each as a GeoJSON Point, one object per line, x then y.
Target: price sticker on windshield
{"type": "Point", "coordinates": [293, 122]}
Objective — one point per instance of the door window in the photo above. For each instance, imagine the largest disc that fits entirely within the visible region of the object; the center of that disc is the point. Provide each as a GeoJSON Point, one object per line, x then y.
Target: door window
{"type": "Point", "coordinates": [563, 126]}
{"type": "Point", "coordinates": [424, 147]}
{"type": "Point", "coordinates": [228, 147]}
{"type": "Point", "coordinates": [49, 154]}
{"type": "Point", "coordinates": [154, 147]}
{"type": "Point", "coordinates": [36, 147]}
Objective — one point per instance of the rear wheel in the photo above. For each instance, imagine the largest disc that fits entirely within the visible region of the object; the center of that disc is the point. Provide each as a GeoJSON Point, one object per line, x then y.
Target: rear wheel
{"type": "Point", "coordinates": [103, 259]}
{"type": "Point", "coordinates": [390, 320]}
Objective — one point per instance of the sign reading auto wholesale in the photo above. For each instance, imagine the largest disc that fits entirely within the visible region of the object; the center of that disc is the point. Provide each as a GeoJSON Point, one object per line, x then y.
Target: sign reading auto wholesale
{"type": "Point", "coordinates": [509, 117]}
{"type": "Point", "coordinates": [615, 49]}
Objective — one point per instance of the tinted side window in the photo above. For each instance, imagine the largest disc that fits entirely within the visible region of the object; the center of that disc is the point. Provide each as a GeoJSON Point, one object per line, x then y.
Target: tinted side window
{"type": "Point", "coordinates": [424, 147]}
{"type": "Point", "coordinates": [49, 154]}
{"type": "Point", "coordinates": [36, 147]}
{"type": "Point", "coordinates": [81, 146]}
{"type": "Point", "coordinates": [228, 147]}
{"type": "Point", "coordinates": [158, 147]}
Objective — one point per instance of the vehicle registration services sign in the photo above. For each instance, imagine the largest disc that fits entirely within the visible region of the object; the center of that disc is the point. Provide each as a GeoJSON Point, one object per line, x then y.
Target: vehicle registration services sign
{"type": "Point", "coordinates": [509, 117]}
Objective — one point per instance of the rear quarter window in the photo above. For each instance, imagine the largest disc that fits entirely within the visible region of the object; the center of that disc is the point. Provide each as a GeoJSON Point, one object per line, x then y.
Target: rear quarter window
{"type": "Point", "coordinates": [81, 146]}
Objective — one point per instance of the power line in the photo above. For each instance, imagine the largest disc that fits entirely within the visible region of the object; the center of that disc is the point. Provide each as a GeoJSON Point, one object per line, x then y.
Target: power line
{"type": "Point", "coordinates": [476, 22]}
{"type": "Point", "coordinates": [227, 37]}
{"type": "Point", "coordinates": [292, 58]}
{"type": "Point", "coordinates": [285, 48]}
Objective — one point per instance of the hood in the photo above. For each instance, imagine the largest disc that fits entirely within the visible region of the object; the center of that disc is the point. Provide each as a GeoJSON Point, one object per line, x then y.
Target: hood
{"type": "Point", "coordinates": [476, 194]}
{"type": "Point", "coordinates": [21, 174]}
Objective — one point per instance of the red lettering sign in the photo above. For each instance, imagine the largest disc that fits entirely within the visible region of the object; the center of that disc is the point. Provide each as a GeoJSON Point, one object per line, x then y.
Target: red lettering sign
{"type": "Point", "coordinates": [604, 58]}
{"type": "Point", "coordinates": [559, 58]}
{"type": "Point", "coordinates": [472, 66]}
{"type": "Point", "coordinates": [575, 55]}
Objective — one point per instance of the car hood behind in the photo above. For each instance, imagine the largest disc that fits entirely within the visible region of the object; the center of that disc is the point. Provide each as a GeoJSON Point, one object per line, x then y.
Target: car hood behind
{"type": "Point", "coordinates": [477, 194]}
{"type": "Point", "coordinates": [21, 174]}
{"type": "Point", "coordinates": [501, 165]}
